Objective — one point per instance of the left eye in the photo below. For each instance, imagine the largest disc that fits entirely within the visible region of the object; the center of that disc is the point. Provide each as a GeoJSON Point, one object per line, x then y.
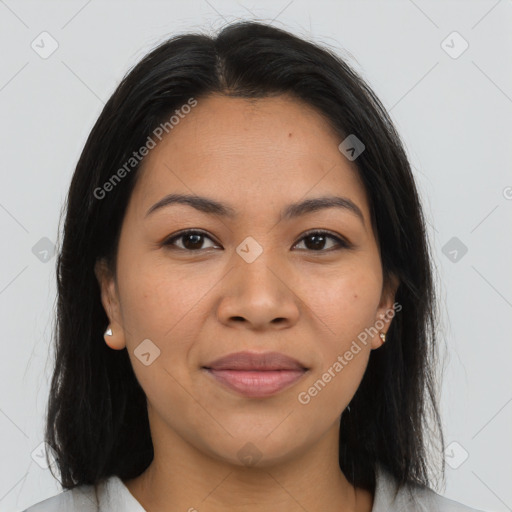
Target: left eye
{"type": "Point", "coordinates": [318, 238]}
{"type": "Point", "coordinates": [193, 241]}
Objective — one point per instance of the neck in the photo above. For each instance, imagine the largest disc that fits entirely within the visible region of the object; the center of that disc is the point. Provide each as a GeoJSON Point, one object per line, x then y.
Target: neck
{"type": "Point", "coordinates": [181, 477]}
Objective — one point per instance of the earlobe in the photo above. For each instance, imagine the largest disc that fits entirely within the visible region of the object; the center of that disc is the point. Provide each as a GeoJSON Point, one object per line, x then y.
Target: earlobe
{"type": "Point", "coordinates": [386, 311]}
{"type": "Point", "coordinates": [114, 334]}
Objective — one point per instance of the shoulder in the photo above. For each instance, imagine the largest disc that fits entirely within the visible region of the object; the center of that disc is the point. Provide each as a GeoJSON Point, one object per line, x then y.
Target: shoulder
{"type": "Point", "coordinates": [427, 500]}
{"type": "Point", "coordinates": [109, 494]}
{"type": "Point", "coordinates": [411, 498]}
{"type": "Point", "coordinates": [80, 499]}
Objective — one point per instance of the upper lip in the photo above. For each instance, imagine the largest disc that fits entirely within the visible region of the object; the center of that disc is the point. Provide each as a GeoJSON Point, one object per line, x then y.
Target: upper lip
{"type": "Point", "coordinates": [256, 361]}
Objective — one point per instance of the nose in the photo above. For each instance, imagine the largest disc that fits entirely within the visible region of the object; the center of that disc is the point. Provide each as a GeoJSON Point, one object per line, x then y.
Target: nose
{"type": "Point", "coordinates": [258, 296]}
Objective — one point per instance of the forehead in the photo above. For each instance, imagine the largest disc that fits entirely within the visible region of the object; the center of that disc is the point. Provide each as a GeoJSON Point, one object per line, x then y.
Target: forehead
{"type": "Point", "coordinates": [272, 150]}
{"type": "Point", "coordinates": [262, 126]}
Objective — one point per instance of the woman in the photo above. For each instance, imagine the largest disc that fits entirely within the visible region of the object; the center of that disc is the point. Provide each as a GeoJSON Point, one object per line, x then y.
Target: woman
{"type": "Point", "coordinates": [246, 311]}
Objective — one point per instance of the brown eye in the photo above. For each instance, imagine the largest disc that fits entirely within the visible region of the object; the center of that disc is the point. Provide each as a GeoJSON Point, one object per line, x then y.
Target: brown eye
{"type": "Point", "coordinates": [191, 240]}
{"type": "Point", "coordinates": [317, 240]}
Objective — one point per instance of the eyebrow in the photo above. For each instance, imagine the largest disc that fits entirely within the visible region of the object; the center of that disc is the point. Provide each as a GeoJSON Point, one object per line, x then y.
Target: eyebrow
{"type": "Point", "coordinates": [213, 207]}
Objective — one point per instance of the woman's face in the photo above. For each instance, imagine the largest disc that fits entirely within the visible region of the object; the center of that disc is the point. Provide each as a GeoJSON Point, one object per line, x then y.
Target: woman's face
{"type": "Point", "coordinates": [249, 282]}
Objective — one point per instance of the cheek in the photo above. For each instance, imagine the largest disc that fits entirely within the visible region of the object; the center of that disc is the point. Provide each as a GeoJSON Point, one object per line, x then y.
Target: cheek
{"type": "Point", "coordinates": [159, 306]}
{"type": "Point", "coordinates": [343, 308]}
{"type": "Point", "coordinates": [168, 308]}
{"type": "Point", "coordinates": [346, 309]}
{"type": "Point", "coordinates": [157, 302]}
{"type": "Point", "coordinates": [345, 302]}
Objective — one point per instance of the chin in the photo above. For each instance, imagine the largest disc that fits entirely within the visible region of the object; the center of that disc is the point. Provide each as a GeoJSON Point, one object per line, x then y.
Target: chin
{"type": "Point", "coordinates": [257, 449]}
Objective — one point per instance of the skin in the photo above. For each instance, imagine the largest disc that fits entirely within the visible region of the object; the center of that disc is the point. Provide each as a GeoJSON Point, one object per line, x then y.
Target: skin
{"type": "Point", "coordinates": [257, 156]}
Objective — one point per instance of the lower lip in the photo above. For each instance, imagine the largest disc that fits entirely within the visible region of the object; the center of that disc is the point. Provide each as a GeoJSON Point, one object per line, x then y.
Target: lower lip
{"type": "Point", "coordinates": [257, 383]}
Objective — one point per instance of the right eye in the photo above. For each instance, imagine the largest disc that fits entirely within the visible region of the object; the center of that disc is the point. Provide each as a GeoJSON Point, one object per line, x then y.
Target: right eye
{"type": "Point", "coordinates": [192, 240]}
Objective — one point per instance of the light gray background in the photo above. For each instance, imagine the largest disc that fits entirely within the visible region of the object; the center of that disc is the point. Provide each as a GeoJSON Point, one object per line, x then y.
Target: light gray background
{"type": "Point", "coordinates": [453, 114]}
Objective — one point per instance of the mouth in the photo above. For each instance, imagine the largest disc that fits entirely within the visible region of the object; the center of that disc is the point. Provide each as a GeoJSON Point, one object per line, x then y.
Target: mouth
{"type": "Point", "coordinates": [256, 375]}
{"type": "Point", "coordinates": [257, 384]}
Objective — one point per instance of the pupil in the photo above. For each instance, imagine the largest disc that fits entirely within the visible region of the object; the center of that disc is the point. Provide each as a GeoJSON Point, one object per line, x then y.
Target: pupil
{"type": "Point", "coordinates": [196, 241]}
{"type": "Point", "coordinates": [318, 241]}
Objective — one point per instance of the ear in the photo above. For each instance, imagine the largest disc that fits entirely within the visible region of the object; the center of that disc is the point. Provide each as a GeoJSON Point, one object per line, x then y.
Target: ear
{"type": "Point", "coordinates": [110, 301]}
{"type": "Point", "coordinates": [386, 311]}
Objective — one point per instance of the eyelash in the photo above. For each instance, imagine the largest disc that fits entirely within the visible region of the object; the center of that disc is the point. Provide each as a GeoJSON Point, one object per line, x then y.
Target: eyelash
{"type": "Point", "coordinates": [342, 244]}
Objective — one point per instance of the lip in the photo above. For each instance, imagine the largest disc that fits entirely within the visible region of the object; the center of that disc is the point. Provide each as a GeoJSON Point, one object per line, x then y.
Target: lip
{"type": "Point", "coordinates": [256, 361]}
{"type": "Point", "coordinates": [255, 374]}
